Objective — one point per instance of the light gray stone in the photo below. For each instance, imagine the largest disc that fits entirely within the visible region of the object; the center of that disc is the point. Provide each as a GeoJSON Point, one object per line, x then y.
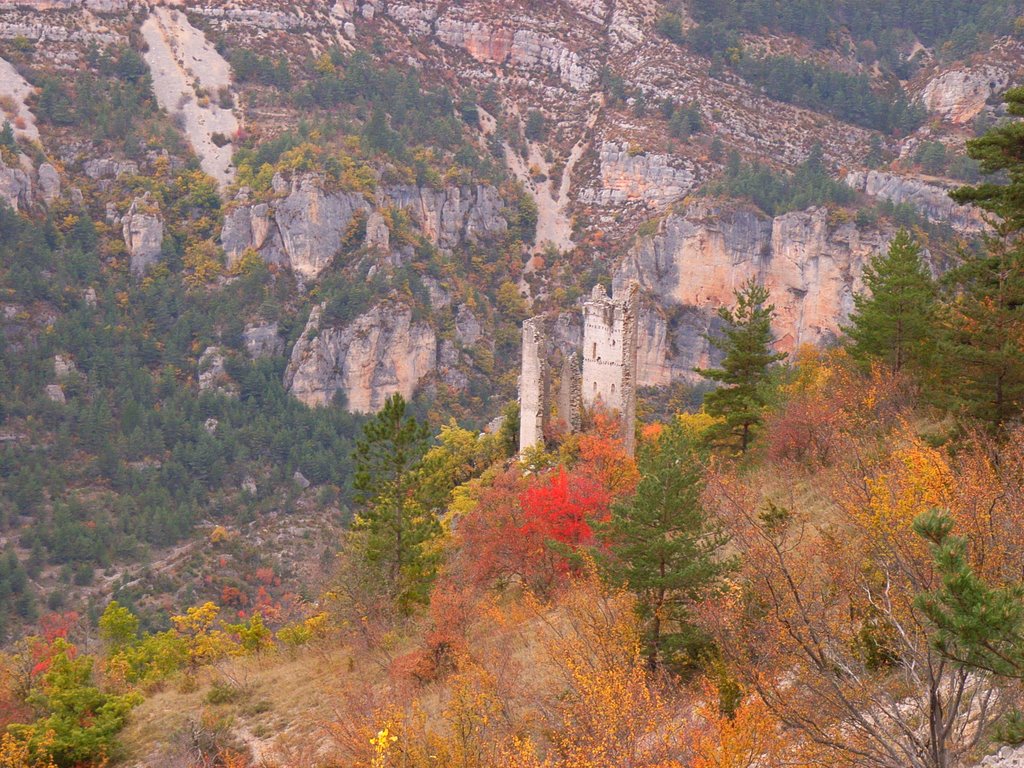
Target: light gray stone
{"type": "Point", "coordinates": [380, 353]}
{"type": "Point", "coordinates": [263, 341]}
{"type": "Point", "coordinates": [55, 393]}
{"type": "Point", "coordinates": [143, 231]}
{"type": "Point", "coordinates": [49, 182]}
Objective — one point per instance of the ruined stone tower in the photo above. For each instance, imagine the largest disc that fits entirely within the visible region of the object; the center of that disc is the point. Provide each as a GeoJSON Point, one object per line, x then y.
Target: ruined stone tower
{"type": "Point", "coordinates": [609, 356]}
{"type": "Point", "coordinates": [534, 408]}
{"type": "Point", "coordinates": [607, 379]}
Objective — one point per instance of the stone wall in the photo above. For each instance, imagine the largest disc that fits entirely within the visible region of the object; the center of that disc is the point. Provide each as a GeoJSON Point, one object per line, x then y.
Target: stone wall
{"type": "Point", "coordinates": [609, 372]}
{"type": "Point", "coordinates": [533, 384]}
{"type": "Point", "coordinates": [609, 355]}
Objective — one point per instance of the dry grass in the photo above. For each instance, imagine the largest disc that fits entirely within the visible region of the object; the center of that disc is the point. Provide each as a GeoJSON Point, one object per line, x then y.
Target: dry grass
{"type": "Point", "coordinates": [277, 700]}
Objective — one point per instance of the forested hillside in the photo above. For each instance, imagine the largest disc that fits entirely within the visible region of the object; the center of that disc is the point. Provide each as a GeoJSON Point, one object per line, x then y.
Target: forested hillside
{"type": "Point", "coordinates": [263, 273]}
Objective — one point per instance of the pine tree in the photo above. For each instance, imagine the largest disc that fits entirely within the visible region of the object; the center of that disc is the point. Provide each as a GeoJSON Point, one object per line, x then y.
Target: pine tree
{"type": "Point", "coordinates": [976, 624]}
{"type": "Point", "coordinates": [664, 547]}
{"type": "Point", "coordinates": [983, 349]}
{"type": "Point", "coordinates": [7, 136]}
{"type": "Point", "coordinates": [895, 322]}
{"type": "Point", "coordinates": [398, 531]}
{"type": "Point", "coordinates": [1000, 149]}
{"type": "Point", "coordinates": [746, 343]}
{"type": "Point", "coordinates": [982, 345]}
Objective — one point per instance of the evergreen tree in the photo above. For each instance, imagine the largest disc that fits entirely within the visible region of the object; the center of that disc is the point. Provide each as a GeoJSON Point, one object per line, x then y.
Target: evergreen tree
{"type": "Point", "coordinates": [664, 547]}
{"type": "Point", "coordinates": [982, 345]}
{"type": "Point", "coordinates": [744, 374]}
{"type": "Point", "coordinates": [976, 624]}
{"type": "Point", "coordinates": [398, 531]}
{"type": "Point", "coordinates": [1001, 149]}
{"type": "Point", "coordinates": [895, 321]}
{"type": "Point", "coordinates": [7, 136]}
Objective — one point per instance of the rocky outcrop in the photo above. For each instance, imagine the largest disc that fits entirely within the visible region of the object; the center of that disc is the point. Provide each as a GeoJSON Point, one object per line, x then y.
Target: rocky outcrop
{"type": "Point", "coordinates": [311, 224]}
{"type": "Point", "coordinates": [696, 261]}
{"type": "Point", "coordinates": [625, 176]}
{"type": "Point", "coordinates": [108, 168]}
{"type": "Point", "coordinates": [49, 182]}
{"type": "Point", "coordinates": [381, 352]}
{"type": "Point", "coordinates": [495, 44]}
{"type": "Point", "coordinates": [143, 230]}
{"type": "Point", "coordinates": [451, 216]}
{"type": "Point", "coordinates": [212, 374]}
{"type": "Point", "coordinates": [15, 187]}
{"type": "Point", "coordinates": [263, 341]}
{"type": "Point", "coordinates": [303, 228]}
{"type": "Point", "coordinates": [467, 328]}
{"type": "Point", "coordinates": [1006, 757]}
{"type": "Point", "coordinates": [931, 200]}
{"type": "Point", "coordinates": [959, 95]}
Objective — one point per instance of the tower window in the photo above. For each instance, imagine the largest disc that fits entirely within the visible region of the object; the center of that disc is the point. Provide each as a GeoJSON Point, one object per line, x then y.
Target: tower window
{"type": "Point", "coordinates": [593, 350]}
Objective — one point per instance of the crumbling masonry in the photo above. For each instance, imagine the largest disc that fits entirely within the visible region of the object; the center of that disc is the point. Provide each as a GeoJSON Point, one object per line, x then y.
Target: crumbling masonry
{"type": "Point", "coordinates": [607, 378]}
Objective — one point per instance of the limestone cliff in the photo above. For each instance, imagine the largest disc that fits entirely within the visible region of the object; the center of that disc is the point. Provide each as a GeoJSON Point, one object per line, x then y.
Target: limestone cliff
{"type": "Point", "coordinates": [931, 200]}
{"type": "Point", "coordinates": [143, 231]}
{"type": "Point", "coordinates": [381, 352]}
{"type": "Point", "coordinates": [960, 94]}
{"type": "Point", "coordinates": [698, 258]}
{"type": "Point", "coordinates": [303, 226]}
{"type": "Point", "coordinates": [627, 176]}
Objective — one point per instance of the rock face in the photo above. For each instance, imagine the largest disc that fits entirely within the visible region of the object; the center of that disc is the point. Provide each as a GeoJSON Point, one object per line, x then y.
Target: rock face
{"type": "Point", "coordinates": [108, 168]}
{"type": "Point", "coordinates": [49, 182]}
{"type": "Point", "coordinates": [304, 227]}
{"type": "Point", "coordinates": [697, 260]}
{"type": "Point", "coordinates": [931, 200]}
{"type": "Point", "coordinates": [143, 231]}
{"type": "Point", "coordinates": [263, 341]}
{"type": "Point", "coordinates": [1006, 757]}
{"type": "Point", "coordinates": [640, 177]}
{"type": "Point", "coordinates": [525, 48]}
{"type": "Point", "coordinates": [211, 373]}
{"type": "Point", "coordinates": [15, 187]}
{"type": "Point", "coordinates": [381, 352]}
{"type": "Point", "coordinates": [959, 95]}
{"type": "Point", "coordinates": [311, 224]}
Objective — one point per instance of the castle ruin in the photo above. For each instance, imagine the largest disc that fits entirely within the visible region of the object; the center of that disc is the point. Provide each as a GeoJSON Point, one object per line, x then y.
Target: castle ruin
{"type": "Point", "coordinates": [606, 379]}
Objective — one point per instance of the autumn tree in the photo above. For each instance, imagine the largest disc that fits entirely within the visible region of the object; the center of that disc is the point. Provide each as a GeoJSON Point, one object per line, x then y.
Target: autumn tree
{"type": "Point", "coordinates": [895, 320]}
{"type": "Point", "coordinates": [664, 547]}
{"type": "Point", "coordinates": [79, 722]}
{"type": "Point", "coordinates": [744, 373]}
{"type": "Point", "coordinates": [563, 507]}
{"type": "Point", "coordinates": [825, 626]}
{"type": "Point", "coordinates": [398, 530]}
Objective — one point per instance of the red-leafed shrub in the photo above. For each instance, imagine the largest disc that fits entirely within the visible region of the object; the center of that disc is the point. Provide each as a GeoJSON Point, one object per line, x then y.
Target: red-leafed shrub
{"type": "Point", "coordinates": [562, 507]}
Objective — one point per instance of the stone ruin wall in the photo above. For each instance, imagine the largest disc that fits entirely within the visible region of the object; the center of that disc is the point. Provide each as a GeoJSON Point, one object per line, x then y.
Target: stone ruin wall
{"type": "Point", "coordinates": [609, 371]}
{"type": "Point", "coordinates": [533, 384]}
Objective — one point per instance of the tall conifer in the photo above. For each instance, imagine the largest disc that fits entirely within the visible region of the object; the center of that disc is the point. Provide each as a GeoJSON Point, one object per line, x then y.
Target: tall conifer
{"type": "Point", "coordinates": [744, 375]}
{"type": "Point", "coordinates": [895, 320]}
{"type": "Point", "coordinates": [398, 529]}
{"type": "Point", "coordinates": [664, 547]}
